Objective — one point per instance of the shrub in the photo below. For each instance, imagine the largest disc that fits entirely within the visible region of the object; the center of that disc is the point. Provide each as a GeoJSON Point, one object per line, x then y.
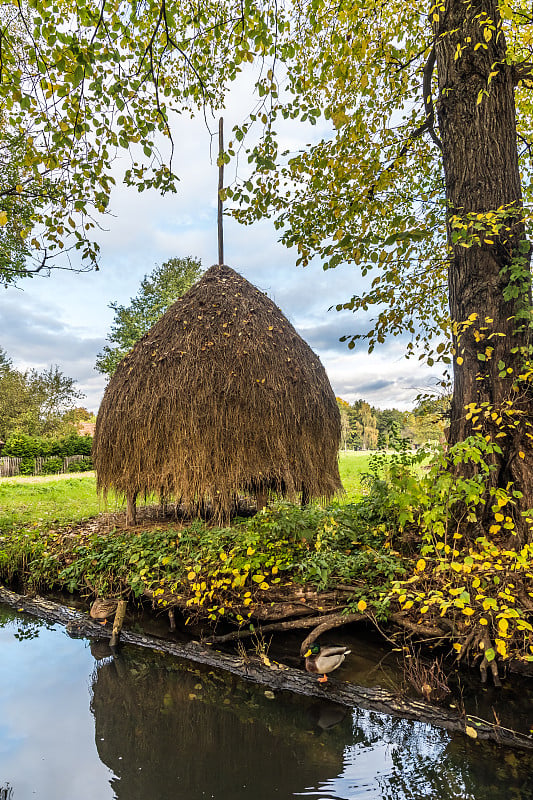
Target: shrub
{"type": "Point", "coordinates": [52, 466]}
{"type": "Point", "coordinates": [75, 445]}
{"type": "Point", "coordinates": [21, 445]}
{"type": "Point", "coordinates": [27, 466]}
{"type": "Point", "coordinates": [81, 466]}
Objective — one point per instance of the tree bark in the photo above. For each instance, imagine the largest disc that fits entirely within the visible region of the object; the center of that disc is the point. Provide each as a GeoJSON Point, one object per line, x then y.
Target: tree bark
{"type": "Point", "coordinates": [131, 510]}
{"type": "Point", "coordinates": [480, 158]}
{"type": "Point", "coordinates": [118, 623]}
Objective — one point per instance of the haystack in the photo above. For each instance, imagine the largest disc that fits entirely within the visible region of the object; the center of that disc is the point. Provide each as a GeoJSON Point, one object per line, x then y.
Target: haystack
{"type": "Point", "coordinates": [220, 397]}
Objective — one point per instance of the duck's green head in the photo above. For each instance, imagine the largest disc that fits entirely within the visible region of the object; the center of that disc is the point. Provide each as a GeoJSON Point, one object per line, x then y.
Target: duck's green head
{"type": "Point", "coordinates": [314, 650]}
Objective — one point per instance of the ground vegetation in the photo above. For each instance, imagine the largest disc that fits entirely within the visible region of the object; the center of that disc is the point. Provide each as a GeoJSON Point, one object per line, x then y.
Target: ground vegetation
{"type": "Point", "coordinates": [359, 559]}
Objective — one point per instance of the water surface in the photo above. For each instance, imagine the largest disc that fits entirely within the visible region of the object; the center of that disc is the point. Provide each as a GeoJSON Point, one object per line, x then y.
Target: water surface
{"type": "Point", "coordinates": [76, 724]}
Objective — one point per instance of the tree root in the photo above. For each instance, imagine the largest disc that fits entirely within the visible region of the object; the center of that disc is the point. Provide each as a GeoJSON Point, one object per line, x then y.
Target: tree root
{"type": "Point", "coordinates": [327, 624]}
{"type": "Point", "coordinates": [320, 624]}
{"type": "Point", "coordinates": [420, 630]}
{"type": "Point", "coordinates": [486, 644]}
{"type": "Point", "coordinates": [475, 641]}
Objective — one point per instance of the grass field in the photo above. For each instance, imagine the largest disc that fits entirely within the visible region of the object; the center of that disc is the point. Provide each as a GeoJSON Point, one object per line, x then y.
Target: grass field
{"type": "Point", "coordinates": [44, 502]}
{"type": "Point", "coordinates": [57, 500]}
{"type": "Point", "coordinates": [352, 466]}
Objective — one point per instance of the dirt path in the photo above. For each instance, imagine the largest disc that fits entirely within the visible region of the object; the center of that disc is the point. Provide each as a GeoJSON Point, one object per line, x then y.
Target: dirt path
{"type": "Point", "coordinates": [45, 478]}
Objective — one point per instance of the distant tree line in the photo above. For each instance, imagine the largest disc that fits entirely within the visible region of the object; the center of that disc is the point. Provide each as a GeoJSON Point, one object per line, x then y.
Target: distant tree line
{"type": "Point", "coordinates": [364, 427]}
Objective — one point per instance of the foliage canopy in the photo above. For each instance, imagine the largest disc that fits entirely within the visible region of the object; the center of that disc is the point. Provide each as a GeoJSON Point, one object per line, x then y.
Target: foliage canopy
{"type": "Point", "coordinates": [35, 403]}
{"type": "Point", "coordinates": [429, 198]}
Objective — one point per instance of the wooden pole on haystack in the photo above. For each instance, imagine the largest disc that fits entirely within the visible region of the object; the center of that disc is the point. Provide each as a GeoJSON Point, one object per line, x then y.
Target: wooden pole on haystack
{"type": "Point", "coordinates": [220, 189]}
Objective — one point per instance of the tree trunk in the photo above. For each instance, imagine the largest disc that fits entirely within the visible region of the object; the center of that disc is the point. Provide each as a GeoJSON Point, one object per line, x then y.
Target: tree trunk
{"type": "Point", "coordinates": [131, 509]}
{"type": "Point", "coordinates": [480, 157]}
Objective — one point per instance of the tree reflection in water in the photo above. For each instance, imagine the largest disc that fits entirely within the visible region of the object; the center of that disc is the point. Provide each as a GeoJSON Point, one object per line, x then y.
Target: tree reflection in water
{"type": "Point", "coordinates": [168, 732]}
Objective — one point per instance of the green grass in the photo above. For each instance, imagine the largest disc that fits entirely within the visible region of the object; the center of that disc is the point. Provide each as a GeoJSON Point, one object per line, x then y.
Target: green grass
{"type": "Point", "coordinates": [352, 466]}
{"type": "Point", "coordinates": [47, 502]}
{"type": "Point", "coordinates": [44, 503]}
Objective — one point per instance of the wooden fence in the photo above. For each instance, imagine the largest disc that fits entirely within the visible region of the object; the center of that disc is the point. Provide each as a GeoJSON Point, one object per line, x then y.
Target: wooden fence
{"type": "Point", "coordinates": [11, 466]}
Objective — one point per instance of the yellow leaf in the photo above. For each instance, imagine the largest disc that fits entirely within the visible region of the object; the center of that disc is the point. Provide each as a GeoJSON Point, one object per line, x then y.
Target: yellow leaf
{"type": "Point", "coordinates": [3, 218]}
{"type": "Point", "coordinates": [487, 34]}
{"type": "Point", "coordinates": [471, 732]}
{"type": "Point", "coordinates": [421, 565]}
{"type": "Point", "coordinates": [503, 626]}
{"type": "Point", "coordinates": [460, 360]}
{"type": "Point", "coordinates": [501, 647]}
{"type": "Point", "coordinates": [191, 576]}
{"type": "Point", "coordinates": [499, 517]}
{"type": "Point", "coordinates": [361, 605]}
{"type": "Point", "coordinates": [521, 454]}
{"type": "Point", "coordinates": [456, 646]}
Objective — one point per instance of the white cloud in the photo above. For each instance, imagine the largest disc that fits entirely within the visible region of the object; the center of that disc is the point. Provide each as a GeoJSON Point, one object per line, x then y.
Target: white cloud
{"type": "Point", "coordinates": [64, 319]}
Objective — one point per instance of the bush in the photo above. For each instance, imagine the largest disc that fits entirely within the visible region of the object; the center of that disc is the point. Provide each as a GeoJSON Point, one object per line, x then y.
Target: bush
{"type": "Point", "coordinates": [21, 445]}
{"type": "Point", "coordinates": [27, 466]}
{"type": "Point", "coordinates": [75, 445]}
{"type": "Point", "coordinates": [52, 466]}
{"type": "Point", "coordinates": [81, 466]}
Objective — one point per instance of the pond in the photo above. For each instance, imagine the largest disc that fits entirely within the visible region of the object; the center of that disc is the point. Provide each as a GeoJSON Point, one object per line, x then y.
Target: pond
{"type": "Point", "coordinates": [78, 724]}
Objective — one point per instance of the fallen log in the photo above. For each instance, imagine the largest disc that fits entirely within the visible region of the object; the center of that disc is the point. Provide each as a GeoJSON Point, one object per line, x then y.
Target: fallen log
{"type": "Point", "coordinates": [277, 677]}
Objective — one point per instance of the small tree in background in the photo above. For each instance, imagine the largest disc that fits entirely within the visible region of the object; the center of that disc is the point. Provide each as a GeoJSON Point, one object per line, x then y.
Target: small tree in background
{"type": "Point", "coordinates": [158, 290]}
{"type": "Point", "coordinates": [34, 403]}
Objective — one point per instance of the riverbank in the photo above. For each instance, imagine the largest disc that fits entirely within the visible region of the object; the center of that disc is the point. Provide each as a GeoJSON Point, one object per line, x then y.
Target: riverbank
{"type": "Point", "coordinates": [276, 677]}
{"type": "Point", "coordinates": [287, 568]}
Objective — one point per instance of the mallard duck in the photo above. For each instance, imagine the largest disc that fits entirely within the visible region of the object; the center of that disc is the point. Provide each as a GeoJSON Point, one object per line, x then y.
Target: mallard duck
{"type": "Point", "coordinates": [325, 659]}
{"type": "Point", "coordinates": [101, 609]}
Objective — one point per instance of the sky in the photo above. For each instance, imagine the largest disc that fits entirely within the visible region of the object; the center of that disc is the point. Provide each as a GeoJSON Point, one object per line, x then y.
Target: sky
{"type": "Point", "coordinates": [64, 319]}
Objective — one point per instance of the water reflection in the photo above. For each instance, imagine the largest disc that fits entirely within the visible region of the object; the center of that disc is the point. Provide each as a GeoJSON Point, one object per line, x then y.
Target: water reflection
{"type": "Point", "coordinates": [198, 734]}
{"type": "Point", "coordinates": [147, 726]}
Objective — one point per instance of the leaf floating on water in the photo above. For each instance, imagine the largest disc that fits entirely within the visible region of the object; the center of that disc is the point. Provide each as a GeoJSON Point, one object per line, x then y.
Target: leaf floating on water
{"type": "Point", "coordinates": [471, 732]}
{"type": "Point", "coordinates": [270, 695]}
